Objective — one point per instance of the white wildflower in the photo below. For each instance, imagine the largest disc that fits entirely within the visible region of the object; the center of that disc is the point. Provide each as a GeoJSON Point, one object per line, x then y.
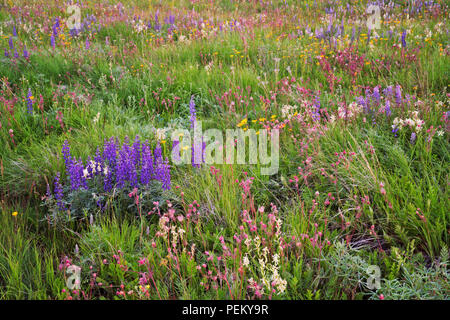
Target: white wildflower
{"type": "Point", "coordinates": [245, 261]}
{"type": "Point", "coordinates": [96, 118]}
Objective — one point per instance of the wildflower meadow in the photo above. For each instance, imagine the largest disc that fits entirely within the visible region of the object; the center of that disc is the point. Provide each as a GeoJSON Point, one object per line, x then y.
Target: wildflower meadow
{"type": "Point", "coordinates": [224, 150]}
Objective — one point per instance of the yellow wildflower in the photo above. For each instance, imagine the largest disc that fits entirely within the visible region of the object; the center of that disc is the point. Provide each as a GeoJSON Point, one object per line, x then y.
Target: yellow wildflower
{"type": "Point", "coordinates": [242, 123]}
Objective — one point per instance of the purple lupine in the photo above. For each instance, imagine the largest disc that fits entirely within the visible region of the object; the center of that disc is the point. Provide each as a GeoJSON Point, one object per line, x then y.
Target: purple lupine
{"type": "Point", "coordinates": [413, 138]}
{"type": "Point", "coordinates": [16, 54]}
{"type": "Point", "coordinates": [110, 153]}
{"type": "Point", "coordinates": [52, 41]}
{"type": "Point", "coordinates": [98, 161]}
{"type": "Point", "coordinates": [54, 31]}
{"type": "Point", "coordinates": [387, 108]}
{"type": "Point", "coordinates": [89, 169]}
{"type": "Point", "coordinates": [127, 172]}
{"type": "Point", "coordinates": [376, 95]}
{"type": "Point", "coordinates": [123, 165]}
{"type": "Point", "coordinates": [165, 176]}
{"type": "Point", "coordinates": [100, 205]}
{"type": "Point", "coordinates": [404, 39]}
{"type": "Point", "coordinates": [108, 181]}
{"type": "Point", "coordinates": [110, 156]}
{"type": "Point", "coordinates": [14, 31]}
{"type": "Point", "coordinates": [6, 53]}
{"type": "Point", "coordinates": [77, 178]}
{"type": "Point", "coordinates": [394, 131]}
{"type": "Point", "coordinates": [171, 19]}
{"type": "Point", "coordinates": [134, 166]}
{"type": "Point", "coordinates": [11, 43]}
{"type": "Point", "coordinates": [136, 152]}
{"type": "Point", "coordinates": [203, 151]}
{"type": "Point", "coordinates": [66, 155]}
{"type": "Point", "coordinates": [79, 174]}
{"type": "Point", "coordinates": [388, 92]}
{"type": "Point", "coordinates": [87, 45]}
{"type": "Point", "coordinates": [361, 101]}
{"type": "Point", "coordinates": [29, 102]}
{"type": "Point", "coordinates": [367, 104]}
{"type": "Point", "coordinates": [59, 193]}
{"type": "Point", "coordinates": [83, 180]}
{"type": "Point", "coordinates": [192, 111]}
{"type": "Point", "coordinates": [162, 173]}
{"type": "Point", "coordinates": [158, 154]}
{"type": "Point", "coordinates": [196, 154]}
{"type": "Point", "coordinates": [316, 114]}
{"type": "Point", "coordinates": [158, 163]}
{"type": "Point", "coordinates": [133, 174]}
{"type": "Point", "coordinates": [74, 32]}
{"type": "Point", "coordinates": [147, 164]}
{"type": "Point", "coordinates": [157, 25]}
{"type": "Point", "coordinates": [398, 94]}
{"type": "Point", "coordinates": [26, 55]}
{"type": "Point", "coordinates": [55, 27]}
